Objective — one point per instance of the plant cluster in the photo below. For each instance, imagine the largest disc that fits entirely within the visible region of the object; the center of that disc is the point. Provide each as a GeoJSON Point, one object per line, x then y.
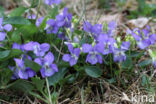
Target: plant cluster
{"type": "Point", "coordinates": [28, 46]}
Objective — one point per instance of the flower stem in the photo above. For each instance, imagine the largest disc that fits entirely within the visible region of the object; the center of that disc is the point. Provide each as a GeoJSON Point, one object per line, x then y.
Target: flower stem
{"type": "Point", "coordinates": [47, 83]}
{"type": "Point", "coordinates": [38, 9]}
{"type": "Point", "coordinates": [111, 65]}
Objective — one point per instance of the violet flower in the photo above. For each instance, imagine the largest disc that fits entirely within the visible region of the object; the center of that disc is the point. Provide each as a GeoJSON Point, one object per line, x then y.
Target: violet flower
{"type": "Point", "coordinates": [119, 53]}
{"type": "Point", "coordinates": [38, 49]}
{"type": "Point", "coordinates": [107, 42]}
{"type": "Point", "coordinates": [15, 73]}
{"type": "Point", "coordinates": [23, 71]}
{"type": "Point", "coordinates": [73, 56]}
{"type": "Point", "coordinates": [95, 30]}
{"type": "Point", "coordinates": [4, 28]}
{"type": "Point", "coordinates": [48, 67]}
{"type": "Point", "coordinates": [111, 28]}
{"type": "Point", "coordinates": [17, 46]}
{"type": "Point", "coordinates": [33, 16]}
{"type": "Point", "coordinates": [39, 21]}
{"type": "Point", "coordinates": [64, 19]}
{"type": "Point", "coordinates": [142, 39]}
{"type": "Point", "coordinates": [93, 56]}
{"type": "Point", "coordinates": [51, 2]}
{"type": "Point", "coordinates": [51, 26]}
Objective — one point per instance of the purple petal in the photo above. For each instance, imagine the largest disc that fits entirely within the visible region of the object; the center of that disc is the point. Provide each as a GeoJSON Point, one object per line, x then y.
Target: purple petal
{"type": "Point", "coordinates": [99, 57]}
{"type": "Point", "coordinates": [54, 67]}
{"type": "Point", "coordinates": [39, 21]}
{"type": "Point", "coordinates": [70, 48]}
{"type": "Point", "coordinates": [38, 60]}
{"type": "Point", "coordinates": [77, 51]}
{"type": "Point", "coordinates": [102, 38]}
{"type": "Point", "coordinates": [49, 72]}
{"type": "Point", "coordinates": [144, 44]}
{"type": "Point", "coordinates": [112, 25]}
{"type": "Point", "coordinates": [33, 16]}
{"type": "Point", "coordinates": [49, 58]}
{"type": "Point", "coordinates": [45, 47]}
{"type": "Point", "coordinates": [137, 37]}
{"type": "Point", "coordinates": [125, 45]}
{"type": "Point", "coordinates": [22, 74]}
{"type": "Point", "coordinates": [29, 46]}
{"type": "Point", "coordinates": [87, 26]}
{"type": "Point", "coordinates": [30, 72]}
{"type": "Point", "coordinates": [19, 62]}
{"type": "Point", "coordinates": [51, 22]}
{"type": "Point", "coordinates": [152, 38]}
{"type": "Point", "coordinates": [87, 48]}
{"type": "Point", "coordinates": [72, 61]}
{"type": "Point", "coordinates": [7, 27]}
{"type": "Point", "coordinates": [66, 57]}
{"type": "Point", "coordinates": [91, 58]}
{"type": "Point", "coordinates": [2, 36]}
{"type": "Point", "coordinates": [16, 46]}
{"type": "Point", "coordinates": [43, 72]}
{"type": "Point", "coordinates": [99, 47]}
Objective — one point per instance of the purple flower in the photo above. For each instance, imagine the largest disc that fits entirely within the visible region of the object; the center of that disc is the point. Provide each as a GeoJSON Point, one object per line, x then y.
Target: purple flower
{"type": "Point", "coordinates": [152, 38]}
{"type": "Point", "coordinates": [23, 71]}
{"type": "Point", "coordinates": [93, 29]}
{"type": "Point", "coordinates": [107, 44]}
{"type": "Point", "coordinates": [4, 28]}
{"type": "Point", "coordinates": [93, 56]}
{"type": "Point", "coordinates": [125, 45]}
{"type": "Point", "coordinates": [142, 38]}
{"type": "Point", "coordinates": [111, 28]}
{"type": "Point", "coordinates": [33, 16]}
{"type": "Point", "coordinates": [50, 2]}
{"type": "Point", "coordinates": [15, 72]}
{"type": "Point", "coordinates": [48, 68]}
{"type": "Point", "coordinates": [64, 19]}
{"type": "Point", "coordinates": [39, 21]}
{"type": "Point", "coordinates": [73, 56]}
{"type": "Point", "coordinates": [38, 49]}
{"type": "Point", "coordinates": [51, 26]}
{"type": "Point", "coordinates": [17, 46]}
{"type": "Point", "coordinates": [119, 53]}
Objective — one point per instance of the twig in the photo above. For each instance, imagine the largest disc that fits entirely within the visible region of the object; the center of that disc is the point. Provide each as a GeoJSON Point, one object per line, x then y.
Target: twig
{"type": "Point", "coordinates": [5, 101]}
{"type": "Point", "coordinates": [57, 49]}
{"type": "Point", "coordinates": [60, 51]}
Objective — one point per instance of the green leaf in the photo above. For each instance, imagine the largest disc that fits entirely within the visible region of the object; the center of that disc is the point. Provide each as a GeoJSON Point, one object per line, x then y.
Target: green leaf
{"type": "Point", "coordinates": [16, 36]}
{"type": "Point", "coordinates": [17, 20]}
{"type": "Point", "coordinates": [4, 54]}
{"type": "Point", "coordinates": [127, 63]}
{"type": "Point", "coordinates": [53, 12]}
{"type": "Point", "coordinates": [136, 54]}
{"type": "Point", "coordinates": [57, 77]}
{"type": "Point", "coordinates": [26, 32]}
{"type": "Point", "coordinates": [145, 80]}
{"type": "Point", "coordinates": [43, 24]}
{"type": "Point", "coordinates": [5, 76]}
{"type": "Point", "coordinates": [145, 63]}
{"type": "Point", "coordinates": [1, 11]}
{"type": "Point", "coordinates": [36, 67]}
{"type": "Point", "coordinates": [34, 3]}
{"type": "Point", "coordinates": [15, 52]}
{"type": "Point", "coordinates": [93, 71]}
{"type": "Point", "coordinates": [22, 85]}
{"type": "Point", "coordinates": [18, 12]}
{"type": "Point", "coordinates": [39, 83]}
